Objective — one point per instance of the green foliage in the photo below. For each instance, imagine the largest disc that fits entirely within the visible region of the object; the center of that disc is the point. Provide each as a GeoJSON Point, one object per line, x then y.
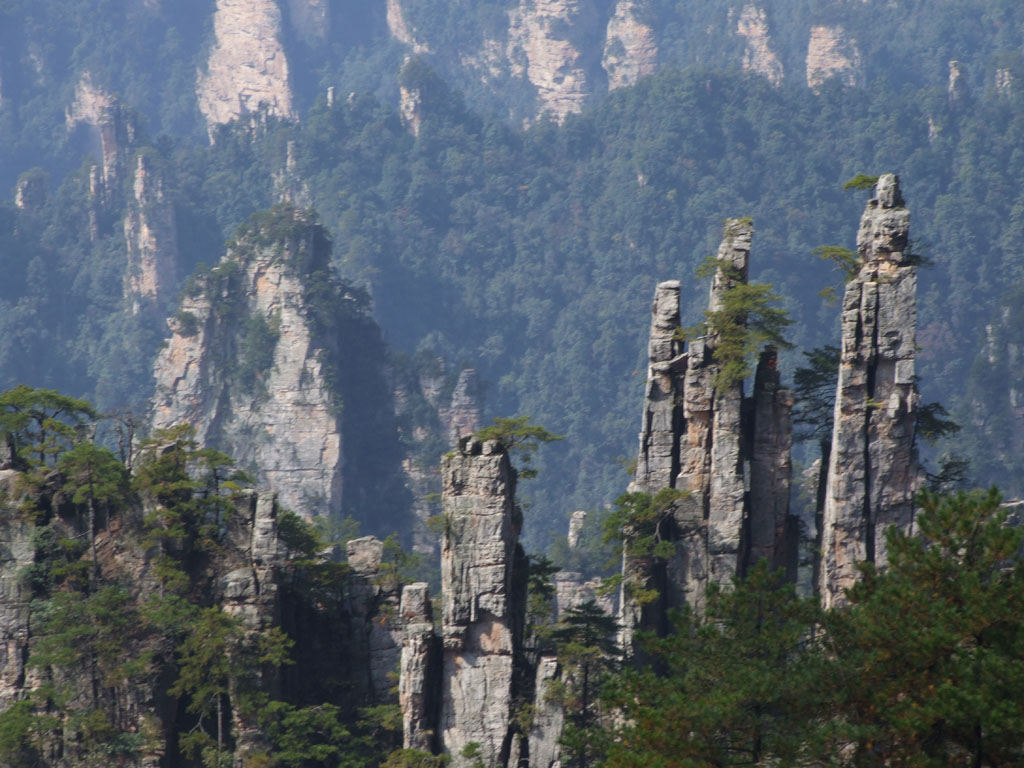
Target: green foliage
{"type": "Point", "coordinates": [256, 350]}
{"type": "Point", "coordinates": [519, 437]}
{"type": "Point", "coordinates": [843, 259]}
{"type": "Point", "coordinates": [415, 758]}
{"type": "Point", "coordinates": [39, 424]}
{"type": "Point", "coordinates": [588, 655]}
{"type": "Point", "coordinates": [643, 523]}
{"type": "Point", "coordinates": [932, 424]}
{"type": "Point", "coordinates": [814, 394]}
{"type": "Point", "coordinates": [932, 650]}
{"type": "Point", "coordinates": [744, 321]}
{"type": "Point", "coordinates": [861, 181]}
{"type": "Point", "coordinates": [306, 737]}
{"type": "Point", "coordinates": [540, 594]}
{"type": "Point", "coordinates": [739, 685]}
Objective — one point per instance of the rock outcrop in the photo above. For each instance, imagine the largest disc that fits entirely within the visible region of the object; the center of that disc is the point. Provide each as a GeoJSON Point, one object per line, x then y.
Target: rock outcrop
{"type": "Point", "coordinates": [473, 663]}
{"type": "Point", "coordinates": [16, 555]}
{"type": "Point", "coordinates": [113, 128]}
{"type": "Point", "coordinates": [276, 412]}
{"type": "Point", "coordinates": [311, 19]}
{"type": "Point", "coordinates": [482, 606]}
{"type": "Point", "coordinates": [417, 686]}
{"type": "Point", "coordinates": [150, 233]}
{"type": "Point", "coordinates": [873, 472]}
{"type": "Point", "coordinates": [247, 70]}
{"type": "Point", "coordinates": [548, 46]}
{"type": "Point", "coordinates": [463, 415]}
{"type": "Point", "coordinates": [728, 454]}
{"type": "Point", "coordinates": [956, 89]}
{"type": "Point", "coordinates": [831, 53]}
{"type": "Point", "coordinates": [630, 47]}
{"type": "Point", "coordinates": [758, 55]}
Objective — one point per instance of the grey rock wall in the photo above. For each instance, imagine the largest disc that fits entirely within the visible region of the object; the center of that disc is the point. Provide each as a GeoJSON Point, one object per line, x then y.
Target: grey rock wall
{"type": "Point", "coordinates": [873, 471]}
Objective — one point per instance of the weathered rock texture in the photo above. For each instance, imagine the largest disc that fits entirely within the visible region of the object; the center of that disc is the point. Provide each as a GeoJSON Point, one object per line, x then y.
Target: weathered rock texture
{"type": "Point", "coordinates": [547, 46]}
{"type": "Point", "coordinates": [873, 471]}
{"type": "Point", "coordinates": [482, 605]}
{"type": "Point", "coordinates": [728, 453]}
{"type": "Point", "coordinates": [957, 87]}
{"type": "Point", "coordinates": [630, 47]}
{"type": "Point", "coordinates": [831, 53]}
{"type": "Point", "coordinates": [463, 416]}
{"type": "Point", "coordinates": [112, 127]}
{"type": "Point", "coordinates": [417, 683]}
{"type": "Point", "coordinates": [757, 55]}
{"type": "Point", "coordinates": [311, 19]}
{"type": "Point", "coordinates": [250, 318]}
{"type": "Point", "coordinates": [247, 70]}
{"type": "Point", "coordinates": [150, 233]}
{"type": "Point", "coordinates": [16, 555]}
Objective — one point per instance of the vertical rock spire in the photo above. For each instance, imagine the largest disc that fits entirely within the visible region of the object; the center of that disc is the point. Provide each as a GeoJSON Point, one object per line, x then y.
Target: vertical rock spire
{"type": "Point", "coordinates": [873, 471]}
{"type": "Point", "coordinates": [482, 610]}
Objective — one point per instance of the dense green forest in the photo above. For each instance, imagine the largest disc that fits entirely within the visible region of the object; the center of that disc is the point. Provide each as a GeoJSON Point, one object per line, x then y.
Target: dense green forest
{"type": "Point", "coordinates": [925, 667]}
{"type": "Point", "coordinates": [532, 254]}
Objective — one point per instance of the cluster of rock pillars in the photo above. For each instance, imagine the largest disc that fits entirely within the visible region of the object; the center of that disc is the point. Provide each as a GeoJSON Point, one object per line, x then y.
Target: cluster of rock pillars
{"type": "Point", "coordinates": [462, 676]}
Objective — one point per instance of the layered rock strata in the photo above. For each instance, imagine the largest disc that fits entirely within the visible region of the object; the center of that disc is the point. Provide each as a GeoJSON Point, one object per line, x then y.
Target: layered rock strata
{"type": "Point", "coordinates": [253, 309]}
{"type": "Point", "coordinates": [247, 70]}
{"type": "Point", "coordinates": [150, 233]}
{"type": "Point", "coordinates": [458, 685]}
{"type": "Point", "coordinates": [873, 471]}
{"type": "Point", "coordinates": [727, 453]}
{"type": "Point", "coordinates": [482, 608]}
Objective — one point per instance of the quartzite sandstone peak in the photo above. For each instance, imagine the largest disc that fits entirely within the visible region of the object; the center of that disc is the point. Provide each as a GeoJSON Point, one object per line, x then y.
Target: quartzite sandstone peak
{"type": "Point", "coordinates": [873, 471]}
{"type": "Point", "coordinates": [253, 309]}
{"type": "Point", "coordinates": [482, 610]}
{"type": "Point", "coordinates": [730, 455]}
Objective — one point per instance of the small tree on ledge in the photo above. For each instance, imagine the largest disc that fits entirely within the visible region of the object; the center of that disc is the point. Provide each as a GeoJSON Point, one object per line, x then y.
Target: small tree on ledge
{"type": "Point", "coordinates": [518, 436]}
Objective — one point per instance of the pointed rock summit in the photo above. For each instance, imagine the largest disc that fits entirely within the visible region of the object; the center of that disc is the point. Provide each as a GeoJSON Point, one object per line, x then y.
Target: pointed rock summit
{"type": "Point", "coordinates": [873, 471]}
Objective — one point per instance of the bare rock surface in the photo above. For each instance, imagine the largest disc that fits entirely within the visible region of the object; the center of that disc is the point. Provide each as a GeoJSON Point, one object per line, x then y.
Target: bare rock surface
{"type": "Point", "coordinates": [758, 55]}
{"type": "Point", "coordinates": [247, 70]}
{"type": "Point", "coordinates": [832, 53]}
{"type": "Point", "coordinates": [480, 616]}
{"type": "Point", "coordinates": [631, 46]}
{"type": "Point", "coordinates": [284, 423]}
{"type": "Point", "coordinates": [873, 472]}
{"type": "Point", "coordinates": [150, 233]}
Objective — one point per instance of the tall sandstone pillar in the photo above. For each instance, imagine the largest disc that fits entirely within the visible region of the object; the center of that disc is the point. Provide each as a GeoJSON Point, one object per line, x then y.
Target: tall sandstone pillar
{"type": "Point", "coordinates": [873, 471]}
{"type": "Point", "coordinates": [729, 453]}
{"type": "Point", "coordinates": [482, 607]}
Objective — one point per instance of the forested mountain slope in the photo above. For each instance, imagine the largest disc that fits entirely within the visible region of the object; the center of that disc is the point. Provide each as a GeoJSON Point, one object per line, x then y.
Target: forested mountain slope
{"type": "Point", "coordinates": [528, 253]}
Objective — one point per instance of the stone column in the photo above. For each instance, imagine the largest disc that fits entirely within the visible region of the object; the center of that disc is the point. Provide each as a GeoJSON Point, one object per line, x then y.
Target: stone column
{"type": "Point", "coordinates": [873, 471]}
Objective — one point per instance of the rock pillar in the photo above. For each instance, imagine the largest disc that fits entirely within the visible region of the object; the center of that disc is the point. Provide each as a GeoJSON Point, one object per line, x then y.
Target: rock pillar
{"type": "Point", "coordinates": [416, 684]}
{"type": "Point", "coordinates": [482, 610]}
{"type": "Point", "coordinates": [873, 471]}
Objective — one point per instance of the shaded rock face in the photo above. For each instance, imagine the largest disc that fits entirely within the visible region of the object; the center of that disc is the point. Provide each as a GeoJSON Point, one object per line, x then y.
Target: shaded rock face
{"type": "Point", "coordinates": [730, 454]}
{"type": "Point", "coordinates": [547, 46]}
{"type": "Point", "coordinates": [286, 423]}
{"type": "Point", "coordinates": [16, 555]}
{"type": "Point", "coordinates": [630, 47]}
{"type": "Point", "coordinates": [548, 718]}
{"type": "Point", "coordinates": [247, 70]}
{"type": "Point", "coordinates": [463, 416]}
{"type": "Point", "coordinates": [150, 233]}
{"type": "Point", "coordinates": [110, 125]}
{"type": "Point", "coordinates": [758, 55]}
{"type": "Point", "coordinates": [417, 683]}
{"type": "Point", "coordinates": [873, 472]}
{"type": "Point", "coordinates": [831, 53]}
{"type": "Point", "coordinates": [482, 608]}
{"type": "Point", "coordinates": [311, 19]}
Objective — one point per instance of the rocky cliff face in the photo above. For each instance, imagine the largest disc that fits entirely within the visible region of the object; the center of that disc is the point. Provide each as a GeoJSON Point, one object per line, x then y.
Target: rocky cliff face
{"type": "Point", "coordinates": [758, 55]}
{"type": "Point", "coordinates": [478, 663]}
{"type": "Point", "coordinates": [547, 46]}
{"type": "Point", "coordinates": [630, 45]}
{"type": "Point", "coordinates": [151, 236]}
{"type": "Point", "coordinates": [250, 316]}
{"type": "Point", "coordinates": [247, 70]}
{"type": "Point", "coordinates": [482, 609]}
{"type": "Point", "coordinates": [873, 472]}
{"type": "Point", "coordinates": [730, 454]}
{"type": "Point", "coordinates": [831, 53]}
{"type": "Point", "coordinates": [112, 128]}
